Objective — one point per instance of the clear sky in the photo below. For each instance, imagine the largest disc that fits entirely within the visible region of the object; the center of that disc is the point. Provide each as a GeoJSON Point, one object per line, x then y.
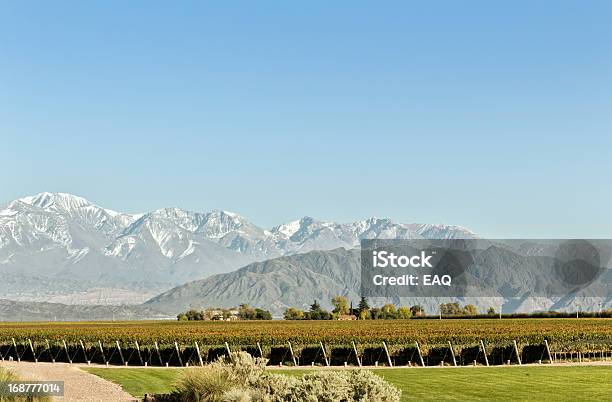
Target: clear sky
{"type": "Point", "coordinates": [492, 115]}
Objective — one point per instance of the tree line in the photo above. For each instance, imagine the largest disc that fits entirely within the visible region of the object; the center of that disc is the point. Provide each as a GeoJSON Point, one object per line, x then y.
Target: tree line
{"type": "Point", "coordinates": [242, 312]}
{"type": "Point", "coordinates": [342, 308]}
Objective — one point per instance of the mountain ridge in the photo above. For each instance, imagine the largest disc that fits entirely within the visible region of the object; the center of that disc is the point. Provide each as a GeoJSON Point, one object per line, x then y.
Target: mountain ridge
{"type": "Point", "coordinates": [58, 238]}
{"type": "Point", "coordinates": [297, 280]}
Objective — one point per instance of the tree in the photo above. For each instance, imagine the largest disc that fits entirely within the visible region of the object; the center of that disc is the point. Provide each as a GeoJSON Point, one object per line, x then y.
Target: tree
{"type": "Point", "coordinates": [404, 313]}
{"type": "Point", "coordinates": [293, 314]}
{"type": "Point", "coordinates": [194, 315]}
{"type": "Point", "coordinates": [417, 310]}
{"type": "Point", "coordinates": [451, 309]}
{"type": "Point", "coordinates": [182, 317]}
{"type": "Point", "coordinates": [389, 311]}
{"type": "Point", "coordinates": [261, 314]}
{"type": "Point", "coordinates": [363, 304]}
{"type": "Point", "coordinates": [491, 311]}
{"type": "Point", "coordinates": [341, 305]}
{"type": "Point", "coordinates": [245, 312]}
{"type": "Point", "coordinates": [317, 313]}
{"type": "Point", "coordinates": [470, 309]}
{"type": "Point", "coordinates": [376, 313]}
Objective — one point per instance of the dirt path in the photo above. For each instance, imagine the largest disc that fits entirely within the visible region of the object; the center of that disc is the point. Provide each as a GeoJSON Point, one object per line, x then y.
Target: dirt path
{"type": "Point", "coordinates": [78, 384]}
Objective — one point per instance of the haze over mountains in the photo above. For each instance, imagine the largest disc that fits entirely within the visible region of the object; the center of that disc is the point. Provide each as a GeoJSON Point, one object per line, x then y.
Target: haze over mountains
{"type": "Point", "coordinates": [63, 248]}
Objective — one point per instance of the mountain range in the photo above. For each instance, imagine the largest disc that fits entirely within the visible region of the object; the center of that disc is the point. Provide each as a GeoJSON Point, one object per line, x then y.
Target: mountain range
{"type": "Point", "coordinates": [58, 247]}
{"type": "Point", "coordinates": [515, 282]}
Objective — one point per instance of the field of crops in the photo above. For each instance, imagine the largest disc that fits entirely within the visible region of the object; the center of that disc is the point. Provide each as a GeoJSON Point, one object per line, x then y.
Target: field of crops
{"type": "Point", "coordinates": [272, 337]}
{"type": "Point", "coordinates": [311, 332]}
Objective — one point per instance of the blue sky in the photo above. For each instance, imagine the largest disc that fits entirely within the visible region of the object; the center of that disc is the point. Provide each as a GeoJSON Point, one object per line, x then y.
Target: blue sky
{"type": "Point", "coordinates": [496, 116]}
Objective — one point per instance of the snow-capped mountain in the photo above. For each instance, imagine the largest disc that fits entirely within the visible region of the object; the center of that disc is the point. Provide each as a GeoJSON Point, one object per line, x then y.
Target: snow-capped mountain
{"type": "Point", "coordinates": [56, 244]}
{"type": "Point", "coordinates": [78, 209]}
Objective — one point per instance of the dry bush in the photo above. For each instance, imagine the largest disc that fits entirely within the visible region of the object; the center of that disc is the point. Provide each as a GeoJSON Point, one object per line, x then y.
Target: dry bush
{"type": "Point", "coordinates": [242, 378]}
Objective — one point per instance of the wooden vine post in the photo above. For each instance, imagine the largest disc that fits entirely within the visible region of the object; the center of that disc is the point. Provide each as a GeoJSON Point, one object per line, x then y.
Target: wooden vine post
{"type": "Point", "coordinates": [102, 352]}
{"type": "Point", "coordinates": [548, 351]}
{"type": "Point", "coordinates": [199, 354]}
{"type": "Point", "coordinates": [229, 351]}
{"type": "Point", "coordinates": [32, 349]}
{"type": "Point", "coordinates": [178, 353]}
{"type": "Point", "coordinates": [67, 353]}
{"type": "Point", "coordinates": [120, 353]}
{"type": "Point", "coordinates": [292, 355]}
{"type": "Point", "coordinates": [16, 351]}
{"type": "Point", "coordinates": [83, 348]}
{"type": "Point", "coordinates": [49, 349]}
{"type": "Point", "coordinates": [356, 354]}
{"type": "Point", "coordinates": [161, 362]}
{"type": "Point", "coordinates": [388, 355]}
{"type": "Point", "coordinates": [484, 352]}
{"type": "Point", "coordinates": [324, 353]}
{"type": "Point", "coordinates": [139, 354]}
{"type": "Point", "coordinates": [420, 355]}
{"type": "Point", "coordinates": [450, 346]}
{"type": "Point", "coordinates": [518, 356]}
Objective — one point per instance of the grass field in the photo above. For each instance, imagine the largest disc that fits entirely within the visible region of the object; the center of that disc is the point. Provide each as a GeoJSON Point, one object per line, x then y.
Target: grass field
{"type": "Point", "coordinates": [467, 383]}
{"type": "Point", "coordinates": [138, 382]}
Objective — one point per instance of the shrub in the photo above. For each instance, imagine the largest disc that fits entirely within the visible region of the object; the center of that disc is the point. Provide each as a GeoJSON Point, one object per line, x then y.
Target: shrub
{"type": "Point", "coordinates": [202, 384]}
{"type": "Point", "coordinates": [367, 386]}
{"type": "Point", "coordinates": [242, 378]}
{"type": "Point", "coordinates": [7, 375]}
{"type": "Point", "coordinates": [322, 386]}
{"type": "Point", "coordinates": [274, 387]}
{"type": "Point", "coordinates": [237, 395]}
{"type": "Point", "coordinates": [347, 385]}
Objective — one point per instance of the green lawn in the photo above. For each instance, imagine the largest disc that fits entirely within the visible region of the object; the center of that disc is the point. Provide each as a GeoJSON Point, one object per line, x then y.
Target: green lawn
{"type": "Point", "coordinates": [504, 383]}
{"type": "Point", "coordinates": [466, 383]}
{"type": "Point", "coordinates": [139, 381]}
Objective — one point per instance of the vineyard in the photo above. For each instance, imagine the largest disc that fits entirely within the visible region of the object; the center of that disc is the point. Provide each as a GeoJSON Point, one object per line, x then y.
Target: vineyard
{"type": "Point", "coordinates": [396, 342]}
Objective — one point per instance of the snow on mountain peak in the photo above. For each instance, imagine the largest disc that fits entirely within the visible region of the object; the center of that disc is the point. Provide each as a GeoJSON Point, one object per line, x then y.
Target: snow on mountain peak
{"type": "Point", "coordinates": [69, 220]}
{"type": "Point", "coordinates": [288, 229]}
{"type": "Point", "coordinates": [47, 200]}
{"type": "Point", "coordinates": [65, 202]}
{"type": "Point", "coordinates": [442, 231]}
{"type": "Point", "coordinates": [219, 223]}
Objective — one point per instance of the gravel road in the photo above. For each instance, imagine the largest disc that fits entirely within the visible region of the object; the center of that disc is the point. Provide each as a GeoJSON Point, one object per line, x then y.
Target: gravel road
{"type": "Point", "coordinates": [78, 384]}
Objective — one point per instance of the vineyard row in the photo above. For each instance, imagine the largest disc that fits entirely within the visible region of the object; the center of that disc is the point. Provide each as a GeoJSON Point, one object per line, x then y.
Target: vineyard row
{"type": "Point", "coordinates": [354, 354]}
